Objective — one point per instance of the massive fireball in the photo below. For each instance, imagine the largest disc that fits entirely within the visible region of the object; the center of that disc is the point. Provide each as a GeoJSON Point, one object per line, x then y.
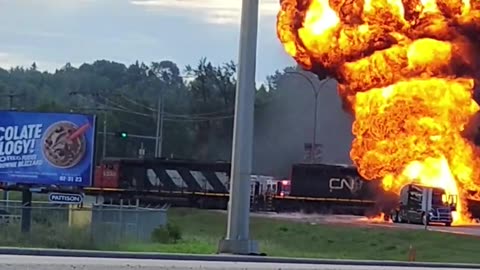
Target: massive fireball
{"type": "Point", "coordinates": [407, 69]}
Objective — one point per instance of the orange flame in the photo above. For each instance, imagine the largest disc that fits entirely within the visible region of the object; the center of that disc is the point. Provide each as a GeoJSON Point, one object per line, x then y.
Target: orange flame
{"type": "Point", "coordinates": [407, 68]}
{"type": "Point", "coordinates": [380, 218]}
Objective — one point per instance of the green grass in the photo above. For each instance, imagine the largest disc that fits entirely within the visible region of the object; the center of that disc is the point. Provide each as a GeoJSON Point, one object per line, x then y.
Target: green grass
{"type": "Point", "coordinates": [203, 229]}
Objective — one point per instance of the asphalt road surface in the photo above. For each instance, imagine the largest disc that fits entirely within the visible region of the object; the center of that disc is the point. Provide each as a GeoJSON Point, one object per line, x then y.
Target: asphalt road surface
{"type": "Point", "coordinates": [358, 221]}
{"type": "Point", "coordinates": [9, 262]}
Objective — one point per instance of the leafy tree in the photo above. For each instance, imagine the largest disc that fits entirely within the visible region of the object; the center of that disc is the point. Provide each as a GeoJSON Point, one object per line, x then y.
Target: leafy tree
{"type": "Point", "coordinates": [196, 105]}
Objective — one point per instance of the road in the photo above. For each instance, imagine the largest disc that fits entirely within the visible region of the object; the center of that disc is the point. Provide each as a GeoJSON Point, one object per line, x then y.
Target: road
{"type": "Point", "coordinates": [473, 230]}
{"type": "Point", "coordinates": [12, 262]}
{"type": "Point", "coordinates": [358, 221]}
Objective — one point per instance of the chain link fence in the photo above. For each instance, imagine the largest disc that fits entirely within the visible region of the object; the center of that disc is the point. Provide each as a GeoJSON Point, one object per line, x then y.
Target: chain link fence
{"type": "Point", "coordinates": [68, 226]}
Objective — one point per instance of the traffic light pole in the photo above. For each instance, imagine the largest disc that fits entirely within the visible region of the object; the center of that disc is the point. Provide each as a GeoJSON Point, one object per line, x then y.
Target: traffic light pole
{"type": "Point", "coordinates": [237, 239]}
{"type": "Point", "coordinates": [130, 135]}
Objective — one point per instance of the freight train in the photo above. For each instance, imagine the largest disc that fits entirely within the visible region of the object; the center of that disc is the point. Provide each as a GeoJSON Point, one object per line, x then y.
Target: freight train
{"type": "Point", "coordinates": [319, 188]}
{"type": "Point", "coordinates": [322, 188]}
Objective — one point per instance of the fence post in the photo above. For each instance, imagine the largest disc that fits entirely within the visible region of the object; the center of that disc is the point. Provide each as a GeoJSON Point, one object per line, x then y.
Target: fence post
{"type": "Point", "coordinates": [120, 235]}
{"type": "Point", "coordinates": [137, 219]}
{"type": "Point", "coordinates": [26, 210]}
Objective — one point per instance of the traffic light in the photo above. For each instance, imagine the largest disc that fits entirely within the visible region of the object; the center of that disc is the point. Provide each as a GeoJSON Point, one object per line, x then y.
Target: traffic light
{"type": "Point", "coordinates": [122, 134]}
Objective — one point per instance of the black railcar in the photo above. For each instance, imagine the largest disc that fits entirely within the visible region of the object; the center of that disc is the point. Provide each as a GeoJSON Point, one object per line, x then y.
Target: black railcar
{"type": "Point", "coordinates": [331, 181]}
{"type": "Point", "coordinates": [329, 188]}
{"type": "Point", "coordinates": [173, 175]}
{"type": "Point", "coordinates": [177, 182]}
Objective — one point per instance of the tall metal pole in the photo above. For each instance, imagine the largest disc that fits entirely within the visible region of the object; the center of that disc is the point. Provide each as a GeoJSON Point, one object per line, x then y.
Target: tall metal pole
{"type": "Point", "coordinates": [10, 108]}
{"type": "Point", "coordinates": [10, 101]}
{"type": "Point", "coordinates": [315, 112]}
{"type": "Point", "coordinates": [237, 238]}
{"type": "Point", "coordinates": [157, 133]}
{"type": "Point", "coordinates": [314, 139]}
{"type": "Point", "coordinates": [104, 145]}
{"type": "Point", "coordinates": [160, 140]}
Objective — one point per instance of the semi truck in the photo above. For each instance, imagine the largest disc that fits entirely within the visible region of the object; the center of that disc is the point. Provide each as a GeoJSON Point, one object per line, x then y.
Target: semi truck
{"type": "Point", "coordinates": [421, 204]}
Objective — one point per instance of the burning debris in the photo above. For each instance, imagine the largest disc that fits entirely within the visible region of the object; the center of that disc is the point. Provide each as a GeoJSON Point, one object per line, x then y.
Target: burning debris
{"type": "Point", "coordinates": [407, 70]}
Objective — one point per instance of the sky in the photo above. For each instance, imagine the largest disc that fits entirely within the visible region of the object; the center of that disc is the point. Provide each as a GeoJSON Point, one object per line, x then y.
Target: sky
{"type": "Point", "coordinates": [54, 32]}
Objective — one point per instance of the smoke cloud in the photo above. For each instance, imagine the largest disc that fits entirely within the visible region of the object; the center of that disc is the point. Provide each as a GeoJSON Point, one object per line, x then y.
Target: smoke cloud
{"type": "Point", "coordinates": [286, 123]}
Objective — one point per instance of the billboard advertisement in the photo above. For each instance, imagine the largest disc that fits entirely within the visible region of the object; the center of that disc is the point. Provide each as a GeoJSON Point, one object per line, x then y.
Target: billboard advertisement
{"type": "Point", "coordinates": [47, 148]}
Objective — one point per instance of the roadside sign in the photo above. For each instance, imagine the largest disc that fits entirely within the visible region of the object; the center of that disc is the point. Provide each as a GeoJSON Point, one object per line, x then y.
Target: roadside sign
{"type": "Point", "coordinates": [50, 148]}
{"type": "Point", "coordinates": [65, 198]}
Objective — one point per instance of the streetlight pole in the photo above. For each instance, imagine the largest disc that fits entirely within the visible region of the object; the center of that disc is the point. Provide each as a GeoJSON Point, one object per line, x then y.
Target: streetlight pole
{"type": "Point", "coordinates": [316, 91]}
{"type": "Point", "coordinates": [237, 238]}
{"type": "Point", "coordinates": [314, 139]}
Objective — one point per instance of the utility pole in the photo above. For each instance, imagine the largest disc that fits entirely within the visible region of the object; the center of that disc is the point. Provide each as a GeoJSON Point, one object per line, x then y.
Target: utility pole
{"type": "Point", "coordinates": [159, 120]}
{"type": "Point", "coordinates": [10, 102]}
{"type": "Point", "coordinates": [237, 239]}
{"type": "Point", "coordinates": [10, 97]}
{"type": "Point", "coordinates": [104, 145]}
{"type": "Point", "coordinates": [96, 110]}
{"type": "Point", "coordinates": [141, 151]}
{"type": "Point", "coordinates": [160, 140]}
{"type": "Point", "coordinates": [157, 132]}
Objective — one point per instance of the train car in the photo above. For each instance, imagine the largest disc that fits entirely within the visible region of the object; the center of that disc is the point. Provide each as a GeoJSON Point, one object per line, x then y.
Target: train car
{"type": "Point", "coordinates": [327, 188]}
{"type": "Point", "coordinates": [321, 188]}
{"type": "Point", "coordinates": [176, 182]}
{"type": "Point", "coordinates": [339, 182]}
{"type": "Point", "coordinates": [163, 175]}
{"type": "Point", "coordinates": [311, 188]}
{"type": "Point", "coordinates": [181, 182]}
{"type": "Point", "coordinates": [336, 188]}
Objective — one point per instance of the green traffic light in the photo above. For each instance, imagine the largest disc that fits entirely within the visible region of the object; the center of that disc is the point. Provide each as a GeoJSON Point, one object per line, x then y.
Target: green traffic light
{"type": "Point", "coordinates": [124, 135]}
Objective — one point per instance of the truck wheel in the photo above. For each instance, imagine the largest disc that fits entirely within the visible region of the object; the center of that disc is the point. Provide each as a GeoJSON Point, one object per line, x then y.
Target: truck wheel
{"type": "Point", "coordinates": [424, 219]}
{"type": "Point", "coordinates": [394, 217]}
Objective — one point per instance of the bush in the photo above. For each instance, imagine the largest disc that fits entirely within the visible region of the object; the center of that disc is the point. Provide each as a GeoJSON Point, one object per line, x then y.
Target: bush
{"type": "Point", "coordinates": [170, 233]}
{"type": "Point", "coordinates": [174, 232]}
{"type": "Point", "coordinates": [160, 235]}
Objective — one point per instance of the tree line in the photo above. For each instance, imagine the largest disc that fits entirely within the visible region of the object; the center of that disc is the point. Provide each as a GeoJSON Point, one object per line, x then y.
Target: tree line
{"type": "Point", "coordinates": [196, 103]}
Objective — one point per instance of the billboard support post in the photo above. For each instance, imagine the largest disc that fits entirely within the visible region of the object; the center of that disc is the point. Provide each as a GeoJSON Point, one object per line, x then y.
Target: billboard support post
{"type": "Point", "coordinates": [26, 210]}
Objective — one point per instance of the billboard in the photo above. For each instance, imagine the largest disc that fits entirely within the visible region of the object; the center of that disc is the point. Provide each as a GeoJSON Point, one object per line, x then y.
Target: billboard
{"type": "Point", "coordinates": [47, 148]}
